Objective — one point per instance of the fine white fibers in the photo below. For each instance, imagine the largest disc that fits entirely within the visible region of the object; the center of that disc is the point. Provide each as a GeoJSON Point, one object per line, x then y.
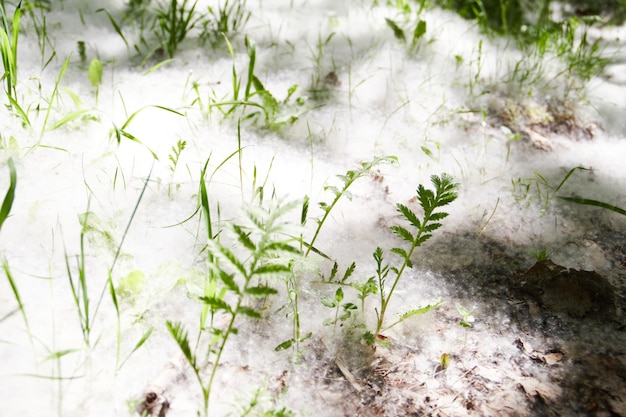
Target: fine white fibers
{"type": "Point", "coordinates": [109, 238]}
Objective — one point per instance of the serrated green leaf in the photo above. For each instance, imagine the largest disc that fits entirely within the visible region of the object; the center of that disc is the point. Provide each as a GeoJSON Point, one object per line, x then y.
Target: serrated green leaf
{"type": "Point", "coordinates": [271, 269]}
{"type": "Point", "coordinates": [400, 252]}
{"type": "Point", "coordinates": [437, 216]}
{"type": "Point", "coordinates": [180, 336]}
{"type": "Point", "coordinates": [229, 281]}
{"type": "Point", "coordinates": [261, 291]}
{"type": "Point", "coordinates": [333, 271]}
{"type": "Point", "coordinates": [349, 272]}
{"type": "Point", "coordinates": [431, 227]}
{"type": "Point", "coordinates": [409, 215]}
{"type": "Point", "coordinates": [423, 239]}
{"type": "Point", "coordinates": [244, 237]}
{"type": "Point", "coordinates": [403, 233]}
{"type": "Point", "coordinates": [230, 256]}
{"type": "Point", "coordinates": [216, 303]}
{"type": "Point", "coordinates": [280, 247]}
{"type": "Point", "coordinates": [250, 312]}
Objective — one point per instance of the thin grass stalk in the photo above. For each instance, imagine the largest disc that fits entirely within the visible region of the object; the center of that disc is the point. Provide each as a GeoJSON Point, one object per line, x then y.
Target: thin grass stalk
{"type": "Point", "coordinates": [55, 93]}
{"type": "Point", "coordinates": [18, 299]}
{"type": "Point", "coordinates": [108, 284]}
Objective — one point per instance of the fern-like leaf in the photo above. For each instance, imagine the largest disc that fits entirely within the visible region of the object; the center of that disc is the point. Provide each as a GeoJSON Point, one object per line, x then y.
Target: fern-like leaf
{"type": "Point", "coordinates": [250, 312]}
{"type": "Point", "coordinates": [403, 233]}
{"type": "Point", "coordinates": [180, 336]}
{"type": "Point", "coordinates": [349, 272]}
{"type": "Point", "coordinates": [409, 215]}
{"type": "Point", "coordinates": [244, 238]}
{"type": "Point", "coordinates": [261, 291]}
{"type": "Point", "coordinates": [229, 281]}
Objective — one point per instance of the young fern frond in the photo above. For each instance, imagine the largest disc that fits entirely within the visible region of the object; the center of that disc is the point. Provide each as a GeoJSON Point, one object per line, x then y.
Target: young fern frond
{"type": "Point", "coordinates": [430, 200]}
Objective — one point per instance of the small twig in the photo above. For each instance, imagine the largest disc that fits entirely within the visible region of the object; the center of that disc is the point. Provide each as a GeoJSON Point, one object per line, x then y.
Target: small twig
{"type": "Point", "coordinates": [347, 374]}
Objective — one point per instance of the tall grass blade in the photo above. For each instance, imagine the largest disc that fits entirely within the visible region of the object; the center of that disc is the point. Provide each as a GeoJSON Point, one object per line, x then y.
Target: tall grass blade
{"type": "Point", "coordinates": [119, 247]}
{"type": "Point", "coordinates": [55, 92]}
{"type": "Point", "coordinates": [18, 298]}
{"type": "Point", "coordinates": [7, 203]}
{"type": "Point", "coordinates": [588, 202]}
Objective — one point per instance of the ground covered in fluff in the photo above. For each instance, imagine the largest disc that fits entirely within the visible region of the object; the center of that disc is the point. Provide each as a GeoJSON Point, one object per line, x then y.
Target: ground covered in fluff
{"type": "Point", "coordinates": [124, 142]}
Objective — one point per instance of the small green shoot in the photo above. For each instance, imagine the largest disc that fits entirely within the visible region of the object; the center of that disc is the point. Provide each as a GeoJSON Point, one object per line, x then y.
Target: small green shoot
{"type": "Point", "coordinates": [417, 33]}
{"type": "Point", "coordinates": [542, 255]}
{"type": "Point", "coordinates": [264, 249]}
{"type": "Point", "coordinates": [466, 316]}
{"type": "Point", "coordinates": [347, 179]}
{"type": "Point", "coordinates": [174, 24]}
{"type": "Point", "coordinates": [224, 20]}
{"type": "Point", "coordinates": [174, 155]}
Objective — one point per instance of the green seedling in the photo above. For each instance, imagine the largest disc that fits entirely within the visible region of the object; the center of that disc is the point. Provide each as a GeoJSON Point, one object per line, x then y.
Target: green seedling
{"type": "Point", "coordinates": [417, 33]}
{"type": "Point", "coordinates": [256, 102]}
{"type": "Point", "coordinates": [266, 250]}
{"type": "Point", "coordinates": [545, 191]}
{"type": "Point", "coordinates": [174, 155]}
{"type": "Point", "coordinates": [466, 316]}
{"type": "Point", "coordinates": [542, 255]}
{"type": "Point", "coordinates": [444, 193]}
{"type": "Point", "coordinates": [347, 179]}
{"type": "Point", "coordinates": [318, 87]}
{"type": "Point", "coordinates": [224, 20]}
{"type": "Point", "coordinates": [174, 24]}
{"type": "Point", "coordinates": [9, 35]}
{"type": "Point", "coordinates": [336, 302]}
{"type": "Point", "coordinates": [467, 319]}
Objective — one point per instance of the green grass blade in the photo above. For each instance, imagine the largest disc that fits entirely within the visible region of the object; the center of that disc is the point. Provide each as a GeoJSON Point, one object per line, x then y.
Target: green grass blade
{"type": "Point", "coordinates": [55, 92]}
{"type": "Point", "coordinates": [119, 247]}
{"type": "Point", "coordinates": [15, 35]}
{"type": "Point", "coordinates": [7, 203]}
{"type": "Point", "coordinates": [589, 202]}
{"type": "Point", "coordinates": [569, 174]}
{"type": "Point", "coordinates": [159, 65]}
{"type": "Point", "coordinates": [117, 28]}
{"type": "Point", "coordinates": [16, 294]}
{"type": "Point", "coordinates": [67, 119]}
{"type": "Point", "coordinates": [251, 48]}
